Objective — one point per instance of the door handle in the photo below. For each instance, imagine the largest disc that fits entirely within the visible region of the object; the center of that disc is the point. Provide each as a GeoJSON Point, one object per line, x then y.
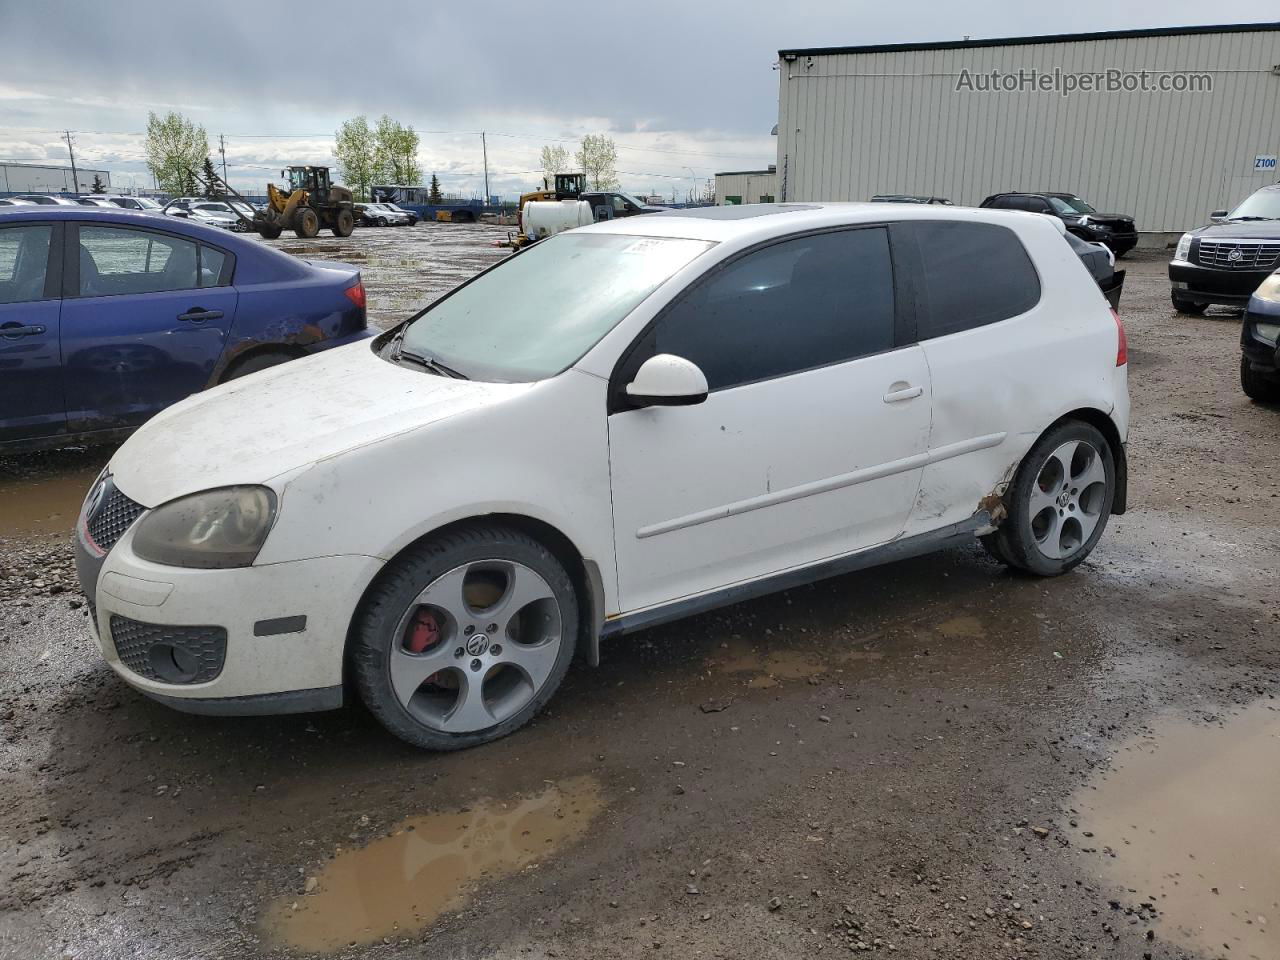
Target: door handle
{"type": "Point", "coordinates": [901, 391]}
{"type": "Point", "coordinates": [16, 330]}
{"type": "Point", "coordinates": [197, 315]}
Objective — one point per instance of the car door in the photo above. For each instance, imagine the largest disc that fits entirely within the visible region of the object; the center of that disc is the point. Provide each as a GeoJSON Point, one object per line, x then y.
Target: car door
{"type": "Point", "coordinates": [810, 442]}
{"type": "Point", "coordinates": [31, 403]}
{"type": "Point", "coordinates": [145, 319]}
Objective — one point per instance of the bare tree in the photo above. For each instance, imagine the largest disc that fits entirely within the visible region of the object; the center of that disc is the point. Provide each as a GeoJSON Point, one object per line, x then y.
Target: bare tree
{"type": "Point", "coordinates": [598, 159]}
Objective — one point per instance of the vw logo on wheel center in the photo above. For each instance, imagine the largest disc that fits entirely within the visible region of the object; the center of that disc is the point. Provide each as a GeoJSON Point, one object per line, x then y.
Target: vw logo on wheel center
{"type": "Point", "coordinates": [477, 644]}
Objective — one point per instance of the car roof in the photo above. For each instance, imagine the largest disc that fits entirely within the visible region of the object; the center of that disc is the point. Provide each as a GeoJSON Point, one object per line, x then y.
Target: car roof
{"type": "Point", "coordinates": [764, 220]}
{"type": "Point", "coordinates": [127, 218]}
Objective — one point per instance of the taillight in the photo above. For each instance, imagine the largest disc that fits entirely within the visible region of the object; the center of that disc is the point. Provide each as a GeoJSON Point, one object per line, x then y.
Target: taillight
{"type": "Point", "coordinates": [1122, 345]}
{"type": "Point", "coordinates": [355, 293]}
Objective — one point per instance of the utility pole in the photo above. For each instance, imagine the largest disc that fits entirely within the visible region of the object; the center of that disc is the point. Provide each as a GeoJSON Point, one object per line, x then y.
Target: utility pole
{"type": "Point", "coordinates": [222, 148]}
{"type": "Point", "coordinates": [485, 148]}
{"type": "Point", "coordinates": [75, 180]}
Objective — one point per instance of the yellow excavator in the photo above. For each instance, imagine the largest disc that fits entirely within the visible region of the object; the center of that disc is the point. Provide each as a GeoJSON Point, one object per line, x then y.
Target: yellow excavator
{"type": "Point", "coordinates": [311, 203]}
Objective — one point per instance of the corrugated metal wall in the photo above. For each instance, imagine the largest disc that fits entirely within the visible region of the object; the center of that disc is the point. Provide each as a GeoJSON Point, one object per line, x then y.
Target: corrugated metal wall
{"type": "Point", "coordinates": [854, 125]}
{"type": "Point", "coordinates": [750, 185]}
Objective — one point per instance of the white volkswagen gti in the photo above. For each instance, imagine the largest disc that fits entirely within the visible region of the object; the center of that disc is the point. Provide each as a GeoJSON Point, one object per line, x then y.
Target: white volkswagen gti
{"type": "Point", "coordinates": [626, 424]}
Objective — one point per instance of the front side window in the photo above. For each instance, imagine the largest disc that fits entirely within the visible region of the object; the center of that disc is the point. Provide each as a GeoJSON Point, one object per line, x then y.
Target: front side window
{"type": "Point", "coordinates": [538, 312]}
{"type": "Point", "coordinates": [792, 306]}
{"type": "Point", "coordinates": [24, 258]}
{"type": "Point", "coordinates": [973, 274]}
{"type": "Point", "coordinates": [119, 261]}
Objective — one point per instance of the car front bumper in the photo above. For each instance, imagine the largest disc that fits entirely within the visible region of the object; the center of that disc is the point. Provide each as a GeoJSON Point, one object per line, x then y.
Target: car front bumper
{"type": "Point", "coordinates": [269, 639]}
{"type": "Point", "coordinates": [1210, 285]}
{"type": "Point", "coordinates": [1263, 355]}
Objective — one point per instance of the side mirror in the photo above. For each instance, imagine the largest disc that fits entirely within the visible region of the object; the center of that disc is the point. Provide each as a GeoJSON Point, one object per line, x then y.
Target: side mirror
{"type": "Point", "coordinates": [1218, 216]}
{"type": "Point", "coordinates": [667, 381]}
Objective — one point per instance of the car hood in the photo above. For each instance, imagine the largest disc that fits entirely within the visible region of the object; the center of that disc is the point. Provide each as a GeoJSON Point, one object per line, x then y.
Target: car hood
{"type": "Point", "coordinates": [1242, 230]}
{"type": "Point", "coordinates": [288, 417]}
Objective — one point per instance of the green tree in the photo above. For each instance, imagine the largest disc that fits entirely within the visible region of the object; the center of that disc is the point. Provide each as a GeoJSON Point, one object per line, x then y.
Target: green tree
{"type": "Point", "coordinates": [554, 160]}
{"type": "Point", "coordinates": [209, 176]}
{"type": "Point", "coordinates": [598, 159]}
{"type": "Point", "coordinates": [396, 149]}
{"type": "Point", "coordinates": [355, 149]}
{"type": "Point", "coordinates": [174, 148]}
{"type": "Point", "coordinates": [98, 185]}
{"type": "Point", "coordinates": [434, 196]}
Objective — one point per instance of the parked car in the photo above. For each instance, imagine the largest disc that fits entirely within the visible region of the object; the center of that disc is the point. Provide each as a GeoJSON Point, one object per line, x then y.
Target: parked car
{"type": "Point", "coordinates": [1116, 230]}
{"type": "Point", "coordinates": [15, 202]}
{"type": "Point", "coordinates": [1225, 261]}
{"type": "Point", "coordinates": [609, 204]}
{"type": "Point", "coordinates": [212, 213]}
{"type": "Point", "coordinates": [94, 201]}
{"type": "Point", "coordinates": [1260, 343]}
{"type": "Point", "coordinates": [143, 204]}
{"type": "Point", "coordinates": [1101, 264]}
{"type": "Point", "coordinates": [46, 200]}
{"type": "Point", "coordinates": [910, 198]}
{"type": "Point", "coordinates": [146, 312]}
{"type": "Point", "coordinates": [686, 410]}
{"type": "Point", "coordinates": [412, 217]}
{"type": "Point", "coordinates": [381, 215]}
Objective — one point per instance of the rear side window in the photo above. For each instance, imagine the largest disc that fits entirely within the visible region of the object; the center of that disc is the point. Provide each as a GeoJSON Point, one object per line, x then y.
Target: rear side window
{"type": "Point", "coordinates": [973, 274]}
{"type": "Point", "coordinates": [792, 306]}
{"type": "Point", "coordinates": [212, 264]}
{"type": "Point", "coordinates": [117, 261]}
{"type": "Point", "coordinates": [24, 258]}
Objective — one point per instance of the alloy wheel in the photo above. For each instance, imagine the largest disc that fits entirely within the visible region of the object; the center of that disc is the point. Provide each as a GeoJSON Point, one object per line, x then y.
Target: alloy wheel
{"type": "Point", "coordinates": [1067, 499]}
{"type": "Point", "coordinates": [475, 646]}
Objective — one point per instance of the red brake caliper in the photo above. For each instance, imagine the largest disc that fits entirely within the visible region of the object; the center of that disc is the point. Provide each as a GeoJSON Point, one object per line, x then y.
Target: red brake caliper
{"type": "Point", "coordinates": [423, 632]}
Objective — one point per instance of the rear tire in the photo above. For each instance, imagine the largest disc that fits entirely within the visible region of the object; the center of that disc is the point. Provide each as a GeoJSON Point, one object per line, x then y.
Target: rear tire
{"type": "Point", "coordinates": [1192, 308]}
{"type": "Point", "coordinates": [343, 223]}
{"type": "Point", "coordinates": [381, 221]}
{"type": "Point", "coordinates": [1257, 386]}
{"type": "Point", "coordinates": [259, 361]}
{"type": "Point", "coordinates": [1059, 502]}
{"type": "Point", "coordinates": [496, 616]}
{"type": "Point", "coordinates": [305, 223]}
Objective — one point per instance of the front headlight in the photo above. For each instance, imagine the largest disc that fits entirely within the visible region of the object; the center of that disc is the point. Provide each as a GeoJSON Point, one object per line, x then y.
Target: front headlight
{"type": "Point", "coordinates": [1184, 248]}
{"type": "Point", "coordinates": [212, 530]}
{"type": "Point", "coordinates": [1269, 290]}
{"type": "Point", "coordinates": [1083, 221]}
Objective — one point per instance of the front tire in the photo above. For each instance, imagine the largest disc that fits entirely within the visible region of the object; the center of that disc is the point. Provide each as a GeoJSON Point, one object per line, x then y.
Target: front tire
{"type": "Point", "coordinates": [1059, 502]}
{"type": "Point", "coordinates": [381, 221]}
{"type": "Point", "coordinates": [305, 223]}
{"type": "Point", "coordinates": [1256, 386]}
{"type": "Point", "coordinates": [1192, 308]}
{"type": "Point", "coordinates": [465, 637]}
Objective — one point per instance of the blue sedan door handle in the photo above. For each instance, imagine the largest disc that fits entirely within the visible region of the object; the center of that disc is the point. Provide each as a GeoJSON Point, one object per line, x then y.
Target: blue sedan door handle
{"type": "Point", "coordinates": [198, 315]}
{"type": "Point", "coordinates": [12, 331]}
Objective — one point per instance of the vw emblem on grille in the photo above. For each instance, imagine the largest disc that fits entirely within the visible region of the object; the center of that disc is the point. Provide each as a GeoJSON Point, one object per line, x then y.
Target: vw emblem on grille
{"type": "Point", "coordinates": [1235, 256]}
{"type": "Point", "coordinates": [94, 500]}
{"type": "Point", "coordinates": [477, 644]}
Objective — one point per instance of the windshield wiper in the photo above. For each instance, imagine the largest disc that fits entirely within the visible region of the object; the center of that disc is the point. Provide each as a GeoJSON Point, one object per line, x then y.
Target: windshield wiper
{"type": "Point", "coordinates": [1239, 219]}
{"type": "Point", "coordinates": [428, 363]}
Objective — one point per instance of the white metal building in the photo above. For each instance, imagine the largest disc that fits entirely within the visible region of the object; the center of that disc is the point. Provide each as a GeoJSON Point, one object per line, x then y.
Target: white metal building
{"type": "Point", "coordinates": [746, 186]}
{"type": "Point", "coordinates": [47, 178]}
{"type": "Point", "coordinates": [1165, 124]}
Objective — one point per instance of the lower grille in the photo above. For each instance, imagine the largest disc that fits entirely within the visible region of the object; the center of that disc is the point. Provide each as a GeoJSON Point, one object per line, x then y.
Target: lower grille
{"type": "Point", "coordinates": [1238, 254]}
{"type": "Point", "coordinates": [169, 654]}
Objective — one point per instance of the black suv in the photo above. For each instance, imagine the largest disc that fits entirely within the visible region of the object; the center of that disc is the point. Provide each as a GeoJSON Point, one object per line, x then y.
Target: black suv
{"type": "Point", "coordinates": [1226, 261]}
{"type": "Point", "coordinates": [1116, 230]}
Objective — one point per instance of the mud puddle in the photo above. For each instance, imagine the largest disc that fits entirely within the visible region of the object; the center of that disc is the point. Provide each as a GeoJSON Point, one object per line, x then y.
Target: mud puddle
{"type": "Point", "coordinates": [401, 883]}
{"type": "Point", "coordinates": [773, 666]}
{"type": "Point", "coordinates": [1192, 814]}
{"type": "Point", "coordinates": [43, 505]}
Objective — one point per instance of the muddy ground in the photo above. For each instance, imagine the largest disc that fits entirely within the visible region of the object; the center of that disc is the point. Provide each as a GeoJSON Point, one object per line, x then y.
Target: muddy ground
{"type": "Point", "coordinates": [934, 758]}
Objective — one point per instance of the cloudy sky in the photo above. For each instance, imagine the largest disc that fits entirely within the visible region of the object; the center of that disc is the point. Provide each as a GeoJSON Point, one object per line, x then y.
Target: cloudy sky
{"type": "Point", "coordinates": [684, 88]}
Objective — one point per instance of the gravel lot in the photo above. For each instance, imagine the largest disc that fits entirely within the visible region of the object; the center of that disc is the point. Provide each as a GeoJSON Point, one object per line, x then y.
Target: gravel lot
{"type": "Point", "coordinates": [933, 758]}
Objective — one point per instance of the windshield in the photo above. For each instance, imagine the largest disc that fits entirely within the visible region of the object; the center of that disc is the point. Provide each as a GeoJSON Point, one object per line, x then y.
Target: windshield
{"type": "Point", "coordinates": [538, 312]}
{"type": "Point", "coordinates": [1262, 205]}
{"type": "Point", "coordinates": [1070, 205]}
{"type": "Point", "coordinates": [149, 204]}
{"type": "Point", "coordinates": [216, 207]}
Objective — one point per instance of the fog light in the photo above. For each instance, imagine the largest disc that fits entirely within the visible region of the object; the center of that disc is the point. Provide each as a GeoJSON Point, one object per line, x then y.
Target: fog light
{"type": "Point", "coordinates": [173, 664]}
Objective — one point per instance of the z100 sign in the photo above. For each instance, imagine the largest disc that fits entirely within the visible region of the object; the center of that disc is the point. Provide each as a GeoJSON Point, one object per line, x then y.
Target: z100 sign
{"type": "Point", "coordinates": [1264, 163]}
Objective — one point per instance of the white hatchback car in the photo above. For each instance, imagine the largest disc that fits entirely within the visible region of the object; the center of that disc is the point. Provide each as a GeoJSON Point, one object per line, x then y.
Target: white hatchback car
{"type": "Point", "coordinates": [622, 425]}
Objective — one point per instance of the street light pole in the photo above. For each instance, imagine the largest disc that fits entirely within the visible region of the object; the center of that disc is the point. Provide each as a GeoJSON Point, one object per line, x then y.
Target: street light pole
{"type": "Point", "coordinates": [693, 183]}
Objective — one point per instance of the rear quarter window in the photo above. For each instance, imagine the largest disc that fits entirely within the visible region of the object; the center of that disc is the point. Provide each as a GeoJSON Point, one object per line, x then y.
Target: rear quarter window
{"type": "Point", "coordinates": [972, 274]}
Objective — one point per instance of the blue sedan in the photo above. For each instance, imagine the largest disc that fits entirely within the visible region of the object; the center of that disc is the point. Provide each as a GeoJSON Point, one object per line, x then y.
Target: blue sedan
{"type": "Point", "coordinates": [108, 316]}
